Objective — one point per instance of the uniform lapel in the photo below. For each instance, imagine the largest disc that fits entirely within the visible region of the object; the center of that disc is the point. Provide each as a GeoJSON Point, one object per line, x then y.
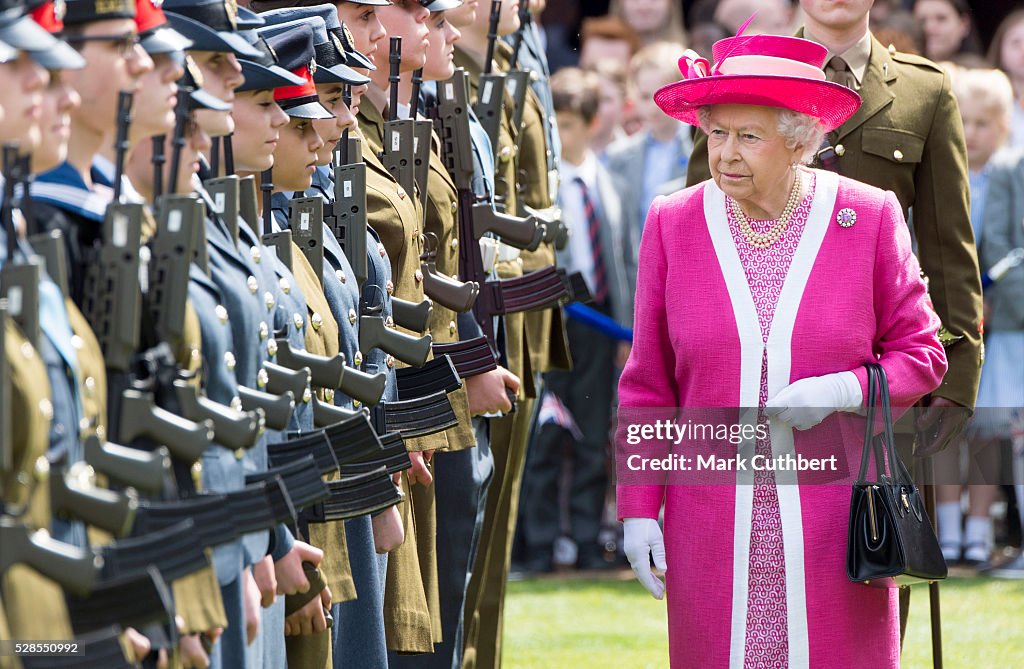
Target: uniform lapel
{"type": "Point", "coordinates": [875, 91]}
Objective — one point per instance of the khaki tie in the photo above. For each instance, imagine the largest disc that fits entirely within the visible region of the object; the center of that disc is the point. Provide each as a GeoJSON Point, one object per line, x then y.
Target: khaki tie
{"type": "Point", "coordinates": [838, 70]}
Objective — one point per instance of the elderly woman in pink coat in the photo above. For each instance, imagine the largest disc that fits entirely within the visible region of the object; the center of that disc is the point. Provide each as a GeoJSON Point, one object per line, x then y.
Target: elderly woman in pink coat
{"type": "Point", "coordinates": [769, 286]}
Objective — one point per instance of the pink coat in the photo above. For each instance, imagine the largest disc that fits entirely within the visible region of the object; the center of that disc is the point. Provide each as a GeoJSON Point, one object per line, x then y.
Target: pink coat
{"type": "Point", "coordinates": [852, 295]}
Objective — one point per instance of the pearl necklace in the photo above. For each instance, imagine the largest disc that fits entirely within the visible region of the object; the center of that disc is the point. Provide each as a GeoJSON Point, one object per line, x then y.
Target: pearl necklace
{"type": "Point", "coordinates": [768, 239]}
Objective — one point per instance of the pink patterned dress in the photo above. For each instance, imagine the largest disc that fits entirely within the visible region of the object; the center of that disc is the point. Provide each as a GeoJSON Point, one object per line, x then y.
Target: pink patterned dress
{"type": "Point", "coordinates": [767, 643]}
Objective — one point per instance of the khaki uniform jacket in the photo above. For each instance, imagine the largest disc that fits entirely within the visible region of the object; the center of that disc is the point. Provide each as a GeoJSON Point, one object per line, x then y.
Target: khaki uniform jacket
{"type": "Point", "coordinates": [33, 603]}
{"type": "Point", "coordinates": [396, 217]}
{"type": "Point", "coordinates": [907, 137]}
{"type": "Point", "coordinates": [411, 611]}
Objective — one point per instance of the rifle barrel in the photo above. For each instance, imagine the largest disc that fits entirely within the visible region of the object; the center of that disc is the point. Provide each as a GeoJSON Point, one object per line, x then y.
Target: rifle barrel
{"type": "Point", "coordinates": [178, 138]}
{"type": "Point", "coordinates": [229, 154]}
{"type": "Point", "coordinates": [159, 159]}
{"type": "Point", "coordinates": [10, 157]}
{"type": "Point", "coordinates": [492, 35]}
{"type": "Point", "coordinates": [396, 64]}
{"type": "Point", "coordinates": [346, 96]}
{"type": "Point", "coordinates": [267, 186]}
{"type": "Point", "coordinates": [124, 119]}
{"type": "Point", "coordinates": [414, 99]}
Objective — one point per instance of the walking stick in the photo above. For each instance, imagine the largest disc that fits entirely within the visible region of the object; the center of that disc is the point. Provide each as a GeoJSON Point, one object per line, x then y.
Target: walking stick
{"type": "Point", "coordinates": [933, 586]}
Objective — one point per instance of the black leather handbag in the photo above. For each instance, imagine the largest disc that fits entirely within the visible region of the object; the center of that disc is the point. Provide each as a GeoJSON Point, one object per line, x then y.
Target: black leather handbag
{"type": "Point", "coordinates": [891, 541]}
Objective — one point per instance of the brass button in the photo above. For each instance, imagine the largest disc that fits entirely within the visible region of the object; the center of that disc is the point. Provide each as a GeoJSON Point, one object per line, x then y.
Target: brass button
{"type": "Point", "coordinates": [317, 321]}
{"type": "Point", "coordinates": [329, 395]}
{"type": "Point", "coordinates": [418, 275]}
{"type": "Point", "coordinates": [390, 287]}
{"type": "Point", "coordinates": [26, 350]}
{"type": "Point", "coordinates": [46, 409]}
{"type": "Point", "coordinates": [236, 403]}
{"type": "Point", "coordinates": [534, 76]}
{"type": "Point", "coordinates": [229, 360]}
{"type": "Point", "coordinates": [253, 284]}
{"type": "Point", "coordinates": [389, 360]}
{"type": "Point", "coordinates": [268, 300]}
{"type": "Point", "coordinates": [194, 354]}
{"type": "Point", "coordinates": [239, 453]}
{"type": "Point", "coordinates": [264, 330]}
{"type": "Point", "coordinates": [381, 250]}
{"type": "Point", "coordinates": [389, 322]}
{"type": "Point", "coordinates": [307, 395]}
{"type": "Point", "coordinates": [451, 328]}
{"type": "Point", "coordinates": [286, 287]}
{"type": "Point", "coordinates": [341, 276]}
{"type": "Point", "coordinates": [401, 193]}
{"type": "Point", "coordinates": [77, 342]}
{"type": "Point", "coordinates": [505, 154]}
{"type": "Point", "coordinates": [897, 154]}
{"type": "Point", "coordinates": [222, 313]}
{"type": "Point", "coordinates": [272, 348]}
{"type": "Point", "coordinates": [358, 358]}
{"type": "Point", "coordinates": [41, 469]}
{"type": "Point", "coordinates": [455, 242]}
{"type": "Point", "coordinates": [840, 150]}
{"type": "Point", "coordinates": [352, 316]}
{"type": "Point", "coordinates": [256, 254]}
{"type": "Point", "coordinates": [262, 379]}
{"type": "Point", "coordinates": [455, 206]}
{"type": "Point", "coordinates": [90, 385]}
{"type": "Point", "coordinates": [298, 321]}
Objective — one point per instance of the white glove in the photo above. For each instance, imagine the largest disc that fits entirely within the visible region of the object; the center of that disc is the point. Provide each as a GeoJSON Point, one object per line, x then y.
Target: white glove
{"type": "Point", "coordinates": [641, 539]}
{"type": "Point", "coordinates": [805, 403]}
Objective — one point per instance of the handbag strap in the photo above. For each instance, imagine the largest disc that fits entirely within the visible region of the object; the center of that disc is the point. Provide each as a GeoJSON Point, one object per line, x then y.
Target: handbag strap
{"type": "Point", "coordinates": [900, 474]}
{"type": "Point", "coordinates": [865, 457]}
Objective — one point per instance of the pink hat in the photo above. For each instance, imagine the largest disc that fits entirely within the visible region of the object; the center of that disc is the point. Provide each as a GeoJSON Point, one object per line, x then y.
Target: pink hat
{"type": "Point", "coordinates": [766, 70]}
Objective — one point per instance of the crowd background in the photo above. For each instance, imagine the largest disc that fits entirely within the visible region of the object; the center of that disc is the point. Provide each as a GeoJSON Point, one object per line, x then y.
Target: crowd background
{"type": "Point", "coordinates": [619, 152]}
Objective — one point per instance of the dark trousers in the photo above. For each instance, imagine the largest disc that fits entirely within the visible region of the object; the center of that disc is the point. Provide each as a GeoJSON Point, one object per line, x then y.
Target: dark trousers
{"type": "Point", "coordinates": [587, 393]}
{"type": "Point", "coordinates": [461, 481]}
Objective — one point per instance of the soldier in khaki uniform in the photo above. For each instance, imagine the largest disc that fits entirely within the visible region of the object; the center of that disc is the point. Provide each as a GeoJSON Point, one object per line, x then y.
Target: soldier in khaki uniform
{"type": "Point", "coordinates": [537, 337]}
{"type": "Point", "coordinates": [907, 137]}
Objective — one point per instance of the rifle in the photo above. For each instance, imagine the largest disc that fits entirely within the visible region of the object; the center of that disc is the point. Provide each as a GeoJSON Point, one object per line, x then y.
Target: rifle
{"type": "Point", "coordinates": [399, 135]}
{"type": "Point", "coordinates": [19, 281]}
{"type": "Point", "coordinates": [305, 220]}
{"type": "Point", "coordinates": [349, 209]}
{"type": "Point", "coordinates": [6, 419]}
{"type": "Point", "coordinates": [171, 254]}
{"type": "Point", "coordinates": [73, 568]}
{"type": "Point", "coordinates": [541, 289]}
{"type": "Point", "coordinates": [71, 497]}
{"type": "Point", "coordinates": [448, 292]}
{"type": "Point", "coordinates": [489, 106]}
{"type": "Point", "coordinates": [421, 140]}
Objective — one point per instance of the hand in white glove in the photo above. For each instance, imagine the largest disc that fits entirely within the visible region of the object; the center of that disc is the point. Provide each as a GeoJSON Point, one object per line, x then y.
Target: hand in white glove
{"type": "Point", "coordinates": [642, 539]}
{"type": "Point", "coordinates": [805, 403]}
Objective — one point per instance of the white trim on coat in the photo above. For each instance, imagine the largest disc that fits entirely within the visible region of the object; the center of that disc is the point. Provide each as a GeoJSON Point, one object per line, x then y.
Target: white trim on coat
{"type": "Point", "coordinates": [779, 349]}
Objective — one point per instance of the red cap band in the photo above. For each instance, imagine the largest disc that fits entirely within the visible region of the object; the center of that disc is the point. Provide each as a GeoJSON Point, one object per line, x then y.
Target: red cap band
{"type": "Point", "coordinates": [46, 16]}
{"type": "Point", "coordinates": [148, 16]}
{"type": "Point", "coordinates": [300, 91]}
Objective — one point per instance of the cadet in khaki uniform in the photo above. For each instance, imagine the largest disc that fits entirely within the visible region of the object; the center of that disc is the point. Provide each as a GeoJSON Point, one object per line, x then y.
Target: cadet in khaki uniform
{"type": "Point", "coordinates": [528, 335]}
{"type": "Point", "coordinates": [405, 250]}
{"type": "Point", "coordinates": [907, 137]}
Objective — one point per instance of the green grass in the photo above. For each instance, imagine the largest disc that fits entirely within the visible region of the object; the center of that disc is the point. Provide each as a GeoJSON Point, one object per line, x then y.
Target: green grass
{"type": "Point", "coordinates": [589, 624]}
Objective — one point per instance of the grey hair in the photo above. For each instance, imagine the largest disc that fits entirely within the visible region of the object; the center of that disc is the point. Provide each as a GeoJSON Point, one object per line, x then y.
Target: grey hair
{"type": "Point", "coordinates": [796, 128]}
